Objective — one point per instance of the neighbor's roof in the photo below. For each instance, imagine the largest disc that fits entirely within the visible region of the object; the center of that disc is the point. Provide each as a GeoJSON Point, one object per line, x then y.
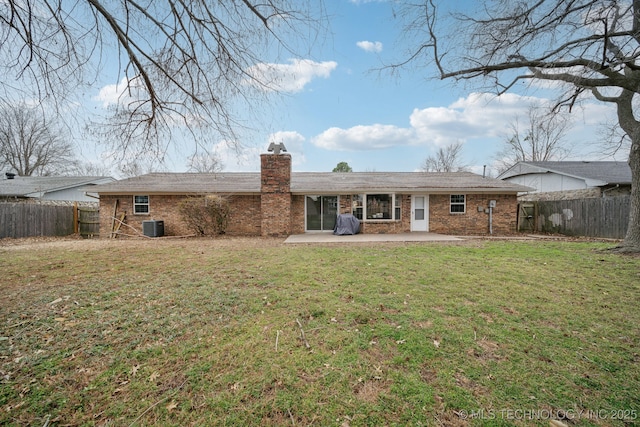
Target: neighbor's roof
{"type": "Point", "coordinates": [36, 186]}
{"type": "Point", "coordinates": [311, 183]}
{"type": "Point", "coordinates": [595, 173]}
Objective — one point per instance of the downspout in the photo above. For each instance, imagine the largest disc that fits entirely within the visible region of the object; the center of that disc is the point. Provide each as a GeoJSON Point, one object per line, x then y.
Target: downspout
{"type": "Point", "coordinates": [490, 220]}
{"type": "Point", "coordinates": [492, 204]}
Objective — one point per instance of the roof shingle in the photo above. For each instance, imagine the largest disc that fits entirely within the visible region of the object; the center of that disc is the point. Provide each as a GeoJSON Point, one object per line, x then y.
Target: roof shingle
{"type": "Point", "coordinates": [311, 183]}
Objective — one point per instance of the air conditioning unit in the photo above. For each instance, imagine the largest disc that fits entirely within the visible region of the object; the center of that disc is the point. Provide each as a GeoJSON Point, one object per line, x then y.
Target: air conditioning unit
{"type": "Point", "coordinates": [153, 228]}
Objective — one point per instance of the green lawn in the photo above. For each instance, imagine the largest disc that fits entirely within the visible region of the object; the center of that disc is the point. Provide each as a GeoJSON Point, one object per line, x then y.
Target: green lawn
{"type": "Point", "coordinates": [254, 332]}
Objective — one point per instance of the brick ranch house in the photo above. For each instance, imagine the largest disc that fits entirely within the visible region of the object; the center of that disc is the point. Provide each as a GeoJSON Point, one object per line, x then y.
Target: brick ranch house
{"type": "Point", "coordinates": [279, 202]}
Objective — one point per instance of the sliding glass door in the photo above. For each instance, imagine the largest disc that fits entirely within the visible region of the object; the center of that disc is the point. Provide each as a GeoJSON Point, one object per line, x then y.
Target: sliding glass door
{"type": "Point", "coordinates": [321, 212]}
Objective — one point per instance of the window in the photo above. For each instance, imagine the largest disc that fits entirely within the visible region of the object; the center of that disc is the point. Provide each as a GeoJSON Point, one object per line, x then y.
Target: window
{"type": "Point", "coordinates": [379, 206]}
{"type": "Point", "coordinates": [397, 203]}
{"type": "Point", "coordinates": [457, 203]}
{"type": "Point", "coordinates": [140, 204]}
{"type": "Point", "coordinates": [321, 212]}
{"type": "Point", "coordinates": [356, 206]}
{"type": "Point", "coordinates": [375, 206]}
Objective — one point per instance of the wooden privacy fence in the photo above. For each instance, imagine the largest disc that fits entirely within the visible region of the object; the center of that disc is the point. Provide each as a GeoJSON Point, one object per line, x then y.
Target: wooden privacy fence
{"type": "Point", "coordinates": [88, 221]}
{"type": "Point", "coordinates": [606, 217]}
{"type": "Point", "coordinates": [19, 220]}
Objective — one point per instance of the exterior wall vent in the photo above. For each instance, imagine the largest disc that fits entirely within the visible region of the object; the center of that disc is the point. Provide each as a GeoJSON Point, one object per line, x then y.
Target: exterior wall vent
{"type": "Point", "coordinates": [153, 228]}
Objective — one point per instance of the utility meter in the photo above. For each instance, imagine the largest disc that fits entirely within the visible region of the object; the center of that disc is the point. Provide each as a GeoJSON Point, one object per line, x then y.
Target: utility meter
{"type": "Point", "coordinates": [492, 203]}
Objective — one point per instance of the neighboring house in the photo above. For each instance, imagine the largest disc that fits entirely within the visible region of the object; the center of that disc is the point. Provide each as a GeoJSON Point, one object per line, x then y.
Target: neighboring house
{"type": "Point", "coordinates": [277, 202]}
{"type": "Point", "coordinates": [570, 180]}
{"type": "Point", "coordinates": [50, 188]}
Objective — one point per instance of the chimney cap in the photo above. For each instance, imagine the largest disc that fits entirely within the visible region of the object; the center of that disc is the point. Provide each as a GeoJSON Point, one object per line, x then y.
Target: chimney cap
{"type": "Point", "coordinates": [276, 148]}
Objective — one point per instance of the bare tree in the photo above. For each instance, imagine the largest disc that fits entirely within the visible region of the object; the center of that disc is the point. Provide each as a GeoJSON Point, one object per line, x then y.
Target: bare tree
{"type": "Point", "coordinates": [587, 47]}
{"type": "Point", "coordinates": [446, 159]}
{"type": "Point", "coordinates": [31, 145]}
{"type": "Point", "coordinates": [90, 169]}
{"type": "Point", "coordinates": [140, 166]}
{"type": "Point", "coordinates": [180, 63]}
{"type": "Point", "coordinates": [540, 138]}
{"type": "Point", "coordinates": [205, 163]}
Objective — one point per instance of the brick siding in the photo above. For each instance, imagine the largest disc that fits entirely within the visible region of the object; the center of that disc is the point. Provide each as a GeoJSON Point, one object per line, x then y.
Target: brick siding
{"type": "Point", "coordinates": [244, 215]}
{"type": "Point", "coordinates": [297, 214]}
{"type": "Point", "coordinates": [473, 222]}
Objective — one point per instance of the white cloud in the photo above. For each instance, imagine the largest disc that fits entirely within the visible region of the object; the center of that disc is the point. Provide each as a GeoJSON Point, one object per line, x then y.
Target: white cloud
{"type": "Point", "coordinates": [292, 140]}
{"type": "Point", "coordinates": [294, 143]}
{"type": "Point", "coordinates": [123, 92]}
{"type": "Point", "coordinates": [291, 77]}
{"type": "Point", "coordinates": [479, 115]}
{"type": "Point", "coordinates": [247, 158]}
{"type": "Point", "coordinates": [368, 46]}
{"type": "Point", "coordinates": [597, 113]}
{"type": "Point", "coordinates": [370, 137]}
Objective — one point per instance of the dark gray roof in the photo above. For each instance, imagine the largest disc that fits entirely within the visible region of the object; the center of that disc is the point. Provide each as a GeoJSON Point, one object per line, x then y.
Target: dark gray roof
{"type": "Point", "coordinates": [35, 186]}
{"type": "Point", "coordinates": [311, 183]}
{"type": "Point", "coordinates": [430, 182]}
{"type": "Point", "coordinates": [185, 183]}
{"type": "Point", "coordinates": [604, 172]}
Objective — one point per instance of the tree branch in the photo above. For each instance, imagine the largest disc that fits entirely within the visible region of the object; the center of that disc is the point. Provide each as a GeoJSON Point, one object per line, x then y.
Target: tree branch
{"type": "Point", "coordinates": [125, 42]}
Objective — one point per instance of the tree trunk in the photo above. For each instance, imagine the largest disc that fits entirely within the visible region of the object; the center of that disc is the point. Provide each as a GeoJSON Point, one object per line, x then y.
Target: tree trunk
{"type": "Point", "coordinates": [631, 241]}
{"type": "Point", "coordinates": [631, 127]}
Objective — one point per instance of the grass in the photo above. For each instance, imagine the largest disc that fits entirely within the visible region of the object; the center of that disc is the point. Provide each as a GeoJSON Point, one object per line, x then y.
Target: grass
{"type": "Point", "coordinates": [204, 332]}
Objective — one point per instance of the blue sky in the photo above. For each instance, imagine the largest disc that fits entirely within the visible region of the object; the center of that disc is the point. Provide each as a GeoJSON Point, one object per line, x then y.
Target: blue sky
{"type": "Point", "coordinates": [335, 108]}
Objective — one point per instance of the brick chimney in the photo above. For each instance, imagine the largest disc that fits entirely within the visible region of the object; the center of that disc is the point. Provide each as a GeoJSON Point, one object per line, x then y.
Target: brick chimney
{"type": "Point", "coordinates": [275, 189]}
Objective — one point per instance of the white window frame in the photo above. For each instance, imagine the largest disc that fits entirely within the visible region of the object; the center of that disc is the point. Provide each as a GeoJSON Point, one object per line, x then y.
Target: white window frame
{"type": "Point", "coordinates": [355, 206]}
{"type": "Point", "coordinates": [457, 203]}
{"type": "Point", "coordinates": [137, 204]}
{"type": "Point", "coordinates": [364, 198]}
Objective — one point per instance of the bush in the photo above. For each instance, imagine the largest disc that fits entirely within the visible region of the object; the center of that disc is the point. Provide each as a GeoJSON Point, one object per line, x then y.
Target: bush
{"type": "Point", "coordinates": [205, 215]}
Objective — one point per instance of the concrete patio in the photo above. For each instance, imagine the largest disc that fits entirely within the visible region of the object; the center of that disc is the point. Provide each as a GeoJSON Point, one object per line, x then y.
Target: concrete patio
{"type": "Point", "coordinates": [357, 238]}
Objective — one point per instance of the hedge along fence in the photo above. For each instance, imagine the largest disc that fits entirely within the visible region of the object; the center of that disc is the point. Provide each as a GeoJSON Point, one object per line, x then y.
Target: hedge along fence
{"type": "Point", "coordinates": [606, 217]}
{"type": "Point", "coordinates": [19, 220]}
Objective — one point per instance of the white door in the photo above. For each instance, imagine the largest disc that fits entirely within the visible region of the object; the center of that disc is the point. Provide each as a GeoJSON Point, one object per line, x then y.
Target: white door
{"type": "Point", "coordinates": [420, 213]}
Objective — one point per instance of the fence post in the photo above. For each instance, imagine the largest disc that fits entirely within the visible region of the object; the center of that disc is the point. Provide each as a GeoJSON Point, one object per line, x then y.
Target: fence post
{"type": "Point", "coordinates": [76, 224]}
